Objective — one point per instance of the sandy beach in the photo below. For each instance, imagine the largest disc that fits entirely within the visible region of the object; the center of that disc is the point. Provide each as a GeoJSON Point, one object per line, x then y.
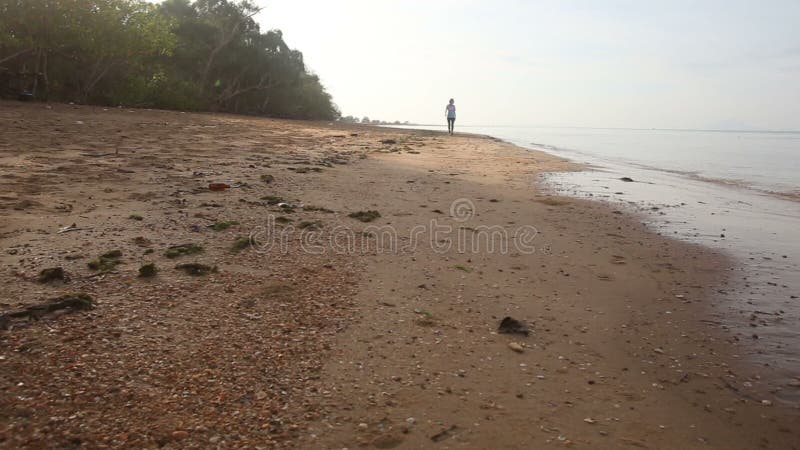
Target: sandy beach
{"type": "Point", "coordinates": [277, 319]}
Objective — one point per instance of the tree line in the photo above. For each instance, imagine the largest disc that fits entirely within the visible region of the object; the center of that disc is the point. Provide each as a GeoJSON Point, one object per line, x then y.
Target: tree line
{"type": "Point", "coordinates": [207, 55]}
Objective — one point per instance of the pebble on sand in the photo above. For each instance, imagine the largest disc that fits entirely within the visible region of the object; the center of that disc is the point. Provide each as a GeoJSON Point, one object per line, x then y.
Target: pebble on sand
{"type": "Point", "coordinates": [516, 347]}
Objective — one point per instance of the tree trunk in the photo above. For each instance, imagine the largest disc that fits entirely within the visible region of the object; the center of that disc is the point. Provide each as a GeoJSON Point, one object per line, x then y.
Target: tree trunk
{"type": "Point", "coordinates": [98, 73]}
{"type": "Point", "coordinates": [36, 71]}
{"type": "Point", "coordinates": [227, 37]}
{"type": "Point", "coordinates": [45, 79]}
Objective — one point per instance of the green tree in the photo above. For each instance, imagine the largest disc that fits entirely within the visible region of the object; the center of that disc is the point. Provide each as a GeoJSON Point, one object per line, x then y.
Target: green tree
{"type": "Point", "coordinates": [204, 55]}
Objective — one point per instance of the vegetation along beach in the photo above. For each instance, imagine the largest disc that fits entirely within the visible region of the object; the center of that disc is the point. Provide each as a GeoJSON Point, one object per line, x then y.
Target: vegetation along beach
{"type": "Point", "coordinates": [200, 249]}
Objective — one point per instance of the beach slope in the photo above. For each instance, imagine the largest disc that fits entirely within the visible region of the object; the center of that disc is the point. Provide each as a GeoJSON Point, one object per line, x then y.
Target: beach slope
{"type": "Point", "coordinates": [326, 286]}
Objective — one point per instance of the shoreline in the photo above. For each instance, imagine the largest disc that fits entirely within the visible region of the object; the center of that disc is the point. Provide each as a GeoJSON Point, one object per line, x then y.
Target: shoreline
{"type": "Point", "coordinates": [403, 341]}
{"type": "Point", "coordinates": [600, 160]}
{"type": "Point", "coordinates": [398, 383]}
{"type": "Point", "coordinates": [753, 226]}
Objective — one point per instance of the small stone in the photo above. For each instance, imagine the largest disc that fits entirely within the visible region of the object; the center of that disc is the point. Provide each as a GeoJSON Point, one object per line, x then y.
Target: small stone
{"type": "Point", "coordinates": [180, 434]}
{"type": "Point", "coordinates": [363, 426]}
{"type": "Point", "coordinates": [411, 421]}
{"type": "Point", "coordinates": [766, 402]}
{"type": "Point", "coordinates": [516, 347]}
{"type": "Point", "coordinates": [261, 395]}
{"type": "Point", "coordinates": [589, 420]}
{"type": "Point", "coordinates": [658, 350]}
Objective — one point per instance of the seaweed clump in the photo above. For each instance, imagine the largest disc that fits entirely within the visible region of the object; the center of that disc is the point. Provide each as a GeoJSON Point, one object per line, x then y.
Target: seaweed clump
{"type": "Point", "coordinates": [106, 262]}
{"type": "Point", "coordinates": [365, 216]}
{"type": "Point", "coordinates": [182, 250]}
{"type": "Point", "coordinates": [196, 269]}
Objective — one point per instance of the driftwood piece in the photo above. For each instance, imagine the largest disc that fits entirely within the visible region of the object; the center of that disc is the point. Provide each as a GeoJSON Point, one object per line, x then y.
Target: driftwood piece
{"type": "Point", "coordinates": [71, 302]}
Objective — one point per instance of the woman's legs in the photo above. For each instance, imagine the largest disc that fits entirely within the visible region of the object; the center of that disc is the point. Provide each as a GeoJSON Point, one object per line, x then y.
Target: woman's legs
{"type": "Point", "coordinates": [451, 125]}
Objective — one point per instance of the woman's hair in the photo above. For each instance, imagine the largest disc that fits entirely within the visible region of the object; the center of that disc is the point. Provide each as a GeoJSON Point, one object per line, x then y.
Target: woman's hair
{"type": "Point", "coordinates": [451, 100]}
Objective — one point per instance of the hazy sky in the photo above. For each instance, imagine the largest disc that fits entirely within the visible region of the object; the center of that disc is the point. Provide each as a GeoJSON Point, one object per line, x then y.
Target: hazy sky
{"type": "Point", "coordinates": [681, 64]}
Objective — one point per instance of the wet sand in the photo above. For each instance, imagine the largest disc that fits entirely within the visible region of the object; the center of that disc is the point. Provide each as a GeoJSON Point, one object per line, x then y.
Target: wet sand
{"type": "Point", "coordinates": [760, 306]}
{"type": "Point", "coordinates": [385, 345]}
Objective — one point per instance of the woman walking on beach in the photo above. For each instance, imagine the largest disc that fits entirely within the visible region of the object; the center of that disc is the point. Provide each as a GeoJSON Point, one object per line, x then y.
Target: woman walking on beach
{"type": "Point", "coordinates": [451, 116]}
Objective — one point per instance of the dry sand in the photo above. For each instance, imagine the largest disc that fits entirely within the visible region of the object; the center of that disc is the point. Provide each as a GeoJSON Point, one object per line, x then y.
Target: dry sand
{"type": "Point", "coordinates": [385, 345]}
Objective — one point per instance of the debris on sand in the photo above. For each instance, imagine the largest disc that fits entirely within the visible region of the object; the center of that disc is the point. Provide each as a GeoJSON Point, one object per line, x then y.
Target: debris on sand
{"type": "Point", "coordinates": [444, 434]}
{"type": "Point", "coordinates": [240, 244]}
{"type": "Point", "coordinates": [267, 178]}
{"type": "Point", "coordinates": [106, 262]}
{"type": "Point", "coordinates": [142, 241]}
{"type": "Point", "coordinates": [52, 274]}
{"type": "Point", "coordinates": [25, 204]}
{"type": "Point", "coordinates": [73, 227]}
{"type": "Point", "coordinates": [71, 302]}
{"type": "Point", "coordinates": [286, 207]}
{"type": "Point", "coordinates": [112, 254]}
{"type": "Point", "coordinates": [626, 179]}
{"type": "Point", "coordinates": [512, 326]}
{"type": "Point", "coordinates": [272, 199]}
{"type": "Point", "coordinates": [318, 209]}
{"type": "Point", "coordinates": [183, 249]}
{"type": "Point", "coordinates": [365, 216]}
{"type": "Point", "coordinates": [304, 169]}
{"type": "Point", "coordinates": [218, 187]}
{"type": "Point", "coordinates": [425, 319]}
{"type": "Point", "coordinates": [223, 225]}
{"type": "Point", "coordinates": [310, 225]}
{"type": "Point", "coordinates": [516, 347]}
{"type": "Point", "coordinates": [196, 269]}
{"type": "Point", "coordinates": [389, 141]}
{"type": "Point", "coordinates": [135, 217]}
{"type": "Point", "coordinates": [148, 270]}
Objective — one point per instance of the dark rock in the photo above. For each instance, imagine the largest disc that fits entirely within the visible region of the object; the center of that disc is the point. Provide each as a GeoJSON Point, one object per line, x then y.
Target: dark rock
{"type": "Point", "coordinates": [512, 326]}
{"type": "Point", "coordinates": [627, 179]}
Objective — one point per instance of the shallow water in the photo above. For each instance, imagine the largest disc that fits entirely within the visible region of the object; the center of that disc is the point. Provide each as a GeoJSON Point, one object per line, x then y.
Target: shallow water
{"type": "Point", "coordinates": [759, 160]}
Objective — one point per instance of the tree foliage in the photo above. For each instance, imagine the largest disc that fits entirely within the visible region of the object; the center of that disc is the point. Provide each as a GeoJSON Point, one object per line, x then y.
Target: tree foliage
{"type": "Point", "coordinates": [200, 55]}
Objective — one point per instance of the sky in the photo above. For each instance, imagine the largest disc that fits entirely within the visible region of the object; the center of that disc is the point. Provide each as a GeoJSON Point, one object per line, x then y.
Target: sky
{"type": "Point", "coordinates": [640, 64]}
